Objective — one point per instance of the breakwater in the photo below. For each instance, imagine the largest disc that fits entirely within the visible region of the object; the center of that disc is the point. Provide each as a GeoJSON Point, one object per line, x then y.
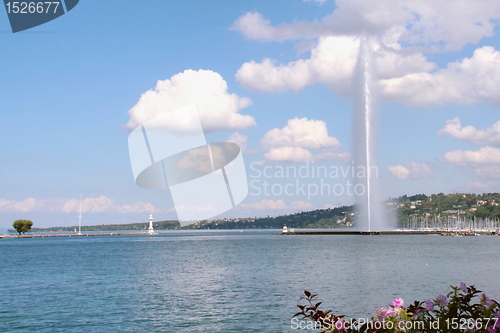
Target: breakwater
{"type": "Point", "coordinates": [76, 235]}
{"type": "Point", "coordinates": [396, 232]}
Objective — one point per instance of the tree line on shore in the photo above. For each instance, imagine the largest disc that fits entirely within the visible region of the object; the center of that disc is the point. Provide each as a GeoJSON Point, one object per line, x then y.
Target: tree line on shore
{"type": "Point", "coordinates": [464, 207]}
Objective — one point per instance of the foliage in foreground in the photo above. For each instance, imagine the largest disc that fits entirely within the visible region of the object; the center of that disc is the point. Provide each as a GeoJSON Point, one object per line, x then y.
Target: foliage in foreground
{"type": "Point", "coordinates": [22, 226]}
{"type": "Point", "coordinates": [454, 312]}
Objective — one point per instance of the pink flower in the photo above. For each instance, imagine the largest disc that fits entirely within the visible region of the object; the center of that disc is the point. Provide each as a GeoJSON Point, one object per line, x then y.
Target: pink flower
{"type": "Point", "coordinates": [384, 313]}
{"type": "Point", "coordinates": [463, 286]}
{"type": "Point", "coordinates": [489, 304]}
{"type": "Point", "coordinates": [339, 325]}
{"type": "Point", "coordinates": [429, 305]}
{"type": "Point", "coordinates": [398, 303]}
{"type": "Point", "coordinates": [442, 300]}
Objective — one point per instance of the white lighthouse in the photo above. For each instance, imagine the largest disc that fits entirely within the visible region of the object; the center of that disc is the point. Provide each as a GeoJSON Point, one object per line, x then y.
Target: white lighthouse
{"type": "Point", "coordinates": [150, 229]}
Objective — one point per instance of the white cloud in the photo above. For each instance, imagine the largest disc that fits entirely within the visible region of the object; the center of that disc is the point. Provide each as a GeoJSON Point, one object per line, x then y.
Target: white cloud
{"type": "Point", "coordinates": [292, 142]}
{"type": "Point", "coordinates": [399, 171]}
{"type": "Point", "coordinates": [488, 172]}
{"type": "Point", "coordinates": [320, 2]}
{"type": "Point", "coordinates": [412, 170]}
{"type": "Point", "coordinates": [405, 76]}
{"type": "Point", "coordinates": [489, 136]}
{"type": "Point", "coordinates": [332, 61]}
{"type": "Point", "coordinates": [333, 154]}
{"type": "Point", "coordinates": [420, 170]}
{"type": "Point", "coordinates": [88, 205]}
{"type": "Point", "coordinates": [218, 109]}
{"type": "Point", "coordinates": [422, 22]}
{"type": "Point", "coordinates": [138, 207]}
{"type": "Point", "coordinates": [485, 155]}
{"type": "Point", "coordinates": [241, 140]}
{"type": "Point", "coordinates": [292, 154]}
{"type": "Point", "coordinates": [263, 205]}
{"type": "Point", "coordinates": [27, 205]}
{"type": "Point", "coordinates": [475, 79]}
{"type": "Point", "coordinates": [276, 205]}
{"type": "Point", "coordinates": [481, 187]}
{"type": "Point", "coordinates": [301, 132]}
{"type": "Point", "coordinates": [398, 32]}
{"type": "Point", "coordinates": [202, 208]}
{"type": "Point", "coordinates": [198, 159]}
{"type": "Point", "coordinates": [254, 26]}
{"type": "Point", "coordinates": [481, 164]}
{"type": "Point", "coordinates": [301, 205]}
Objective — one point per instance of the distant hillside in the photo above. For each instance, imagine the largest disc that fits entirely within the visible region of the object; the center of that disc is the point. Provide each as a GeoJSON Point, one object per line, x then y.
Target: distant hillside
{"type": "Point", "coordinates": [408, 209]}
{"type": "Point", "coordinates": [339, 217]}
{"type": "Point", "coordinates": [159, 225]}
{"type": "Point", "coordinates": [464, 205]}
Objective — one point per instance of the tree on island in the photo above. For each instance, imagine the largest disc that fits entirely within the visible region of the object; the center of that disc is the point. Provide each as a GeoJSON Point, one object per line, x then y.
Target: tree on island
{"type": "Point", "coordinates": [22, 226]}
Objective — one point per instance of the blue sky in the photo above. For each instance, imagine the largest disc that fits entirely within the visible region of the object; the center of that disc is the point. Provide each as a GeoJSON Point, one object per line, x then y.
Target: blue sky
{"type": "Point", "coordinates": [67, 87]}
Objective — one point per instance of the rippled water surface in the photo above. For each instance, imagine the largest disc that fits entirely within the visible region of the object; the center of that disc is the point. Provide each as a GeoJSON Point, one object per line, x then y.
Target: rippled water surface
{"type": "Point", "coordinates": [225, 281]}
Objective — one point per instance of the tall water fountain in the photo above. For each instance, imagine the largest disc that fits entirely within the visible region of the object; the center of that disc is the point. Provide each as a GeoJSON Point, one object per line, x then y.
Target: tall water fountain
{"type": "Point", "coordinates": [365, 131]}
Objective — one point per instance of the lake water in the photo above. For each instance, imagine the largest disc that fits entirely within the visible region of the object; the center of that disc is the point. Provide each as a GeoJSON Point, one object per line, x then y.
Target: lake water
{"type": "Point", "coordinates": [225, 281]}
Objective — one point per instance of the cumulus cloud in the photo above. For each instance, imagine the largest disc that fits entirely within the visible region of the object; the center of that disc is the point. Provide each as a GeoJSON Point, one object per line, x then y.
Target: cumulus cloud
{"type": "Point", "coordinates": [202, 160]}
{"type": "Point", "coordinates": [412, 170]}
{"type": "Point", "coordinates": [294, 141]}
{"type": "Point", "coordinates": [488, 171]}
{"type": "Point", "coordinates": [472, 80]}
{"type": "Point", "coordinates": [263, 205]}
{"type": "Point", "coordinates": [332, 61]}
{"type": "Point", "coordinates": [276, 205]}
{"type": "Point", "coordinates": [420, 170]}
{"type": "Point", "coordinates": [485, 155]}
{"type": "Point", "coordinates": [488, 136]}
{"type": "Point", "coordinates": [301, 132]}
{"type": "Point", "coordinates": [483, 163]}
{"type": "Point", "coordinates": [241, 140]}
{"type": "Point", "coordinates": [329, 206]}
{"type": "Point", "coordinates": [202, 208]}
{"type": "Point", "coordinates": [217, 108]}
{"type": "Point", "coordinates": [399, 33]}
{"type": "Point", "coordinates": [27, 205]}
{"type": "Point", "coordinates": [292, 154]}
{"type": "Point", "coordinates": [301, 205]}
{"type": "Point", "coordinates": [320, 2]}
{"type": "Point", "coordinates": [88, 205]}
{"type": "Point", "coordinates": [399, 171]}
{"type": "Point", "coordinates": [422, 22]}
{"type": "Point", "coordinates": [481, 187]}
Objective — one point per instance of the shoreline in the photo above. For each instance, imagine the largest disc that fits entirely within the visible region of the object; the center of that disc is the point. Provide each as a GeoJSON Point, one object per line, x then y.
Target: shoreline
{"type": "Point", "coordinates": [77, 235]}
{"type": "Point", "coordinates": [455, 233]}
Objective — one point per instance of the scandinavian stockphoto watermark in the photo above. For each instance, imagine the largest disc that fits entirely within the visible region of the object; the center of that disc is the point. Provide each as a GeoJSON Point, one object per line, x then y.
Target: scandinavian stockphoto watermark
{"type": "Point", "coordinates": [205, 179]}
{"type": "Point", "coordinates": [25, 15]}
{"type": "Point", "coordinates": [310, 180]}
{"type": "Point", "coordinates": [462, 324]}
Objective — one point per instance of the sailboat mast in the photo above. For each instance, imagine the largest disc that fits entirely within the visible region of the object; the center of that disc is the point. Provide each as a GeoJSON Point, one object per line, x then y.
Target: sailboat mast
{"type": "Point", "coordinates": [80, 217]}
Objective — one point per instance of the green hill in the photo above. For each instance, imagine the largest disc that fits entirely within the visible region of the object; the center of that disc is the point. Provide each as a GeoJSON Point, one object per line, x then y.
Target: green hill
{"type": "Point", "coordinates": [411, 211]}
